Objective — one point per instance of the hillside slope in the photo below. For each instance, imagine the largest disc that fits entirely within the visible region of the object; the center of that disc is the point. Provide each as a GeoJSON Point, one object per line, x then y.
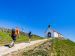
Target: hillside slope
{"type": "Point", "coordinates": [58, 48]}
{"type": "Point", "coordinates": [64, 47]}
{"type": "Point", "coordinates": [5, 37]}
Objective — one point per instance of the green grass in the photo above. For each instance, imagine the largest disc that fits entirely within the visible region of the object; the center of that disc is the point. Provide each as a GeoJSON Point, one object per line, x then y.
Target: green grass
{"type": "Point", "coordinates": [60, 48]}
{"type": "Point", "coordinates": [64, 47]}
{"type": "Point", "coordinates": [6, 38]}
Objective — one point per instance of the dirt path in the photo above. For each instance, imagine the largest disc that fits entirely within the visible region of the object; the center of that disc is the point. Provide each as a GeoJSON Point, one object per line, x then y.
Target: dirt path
{"type": "Point", "coordinates": [6, 50]}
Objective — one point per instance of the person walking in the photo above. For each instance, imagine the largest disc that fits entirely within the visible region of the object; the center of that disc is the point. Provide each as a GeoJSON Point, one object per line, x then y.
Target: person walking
{"type": "Point", "coordinates": [29, 35]}
{"type": "Point", "coordinates": [13, 36]}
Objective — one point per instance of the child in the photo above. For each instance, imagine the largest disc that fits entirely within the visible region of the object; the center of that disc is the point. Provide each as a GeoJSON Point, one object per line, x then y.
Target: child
{"type": "Point", "coordinates": [13, 36]}
{"type": "Point", "coordinates": [29, 35]}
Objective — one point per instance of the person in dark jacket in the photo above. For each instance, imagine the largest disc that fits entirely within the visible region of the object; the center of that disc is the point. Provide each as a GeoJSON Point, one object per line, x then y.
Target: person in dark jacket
{"type": "Point", "coordinates": [29, 35]}
{"type": "Point", "coordinates": [13, 36]}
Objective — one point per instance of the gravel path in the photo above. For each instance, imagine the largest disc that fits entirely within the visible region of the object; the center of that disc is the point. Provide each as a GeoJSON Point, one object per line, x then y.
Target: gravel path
{"type": "Point", "coordinates": [6, 50]}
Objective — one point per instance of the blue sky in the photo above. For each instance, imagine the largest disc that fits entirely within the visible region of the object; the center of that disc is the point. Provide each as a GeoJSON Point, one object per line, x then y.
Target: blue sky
{"type": "Point", "coordinates": [35, 15]}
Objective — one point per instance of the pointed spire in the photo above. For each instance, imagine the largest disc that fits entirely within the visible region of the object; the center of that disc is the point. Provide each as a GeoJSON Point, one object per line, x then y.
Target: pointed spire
{"type": "Point", "coordinates": [49, 26]}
